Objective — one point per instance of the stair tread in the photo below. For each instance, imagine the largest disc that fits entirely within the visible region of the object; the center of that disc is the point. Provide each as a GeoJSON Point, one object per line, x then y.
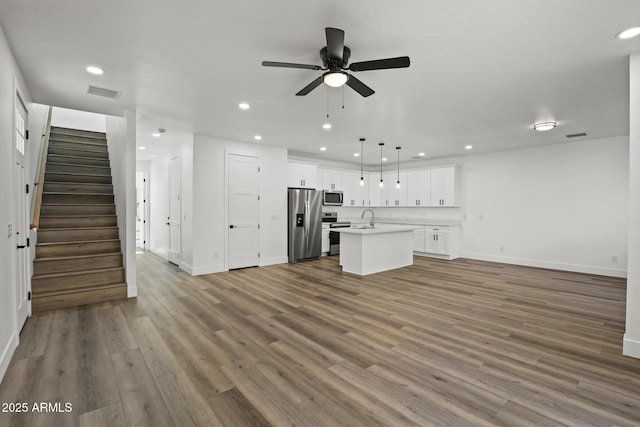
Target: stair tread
{"type": "Point", "coordinates": [76, 272]}
{"type": "Point", "coordinates": [78, 290]}
{"type": "Point", "coordinates": [77, 183]}
{"type": "Point", "coordinates": [76, 157]}
{"type": "Point", "coordinates": [80, 228]}
{"type": "Point", "coordinates": [74, 173]}
{"type": "Point", "coordinates": [78, 216]}
{"type": "Point", "coordinates": [75, 242]}
{"type": "Point", "coordinates": [76, 194]}
{"type": "Point", "coordinates": [74, 164]}
{"type": "Point", "coordinates": [68, 257]}
{"type": "Point", "coordinates": [74, 149]}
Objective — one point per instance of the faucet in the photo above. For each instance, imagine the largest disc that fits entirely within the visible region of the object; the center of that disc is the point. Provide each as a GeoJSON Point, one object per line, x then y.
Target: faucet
{"type": "Point", "coordinates": [372, 216]}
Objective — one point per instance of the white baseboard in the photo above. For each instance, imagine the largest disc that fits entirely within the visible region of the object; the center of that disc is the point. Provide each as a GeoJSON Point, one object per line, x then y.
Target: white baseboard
{"type": "Point", "coordinates": [7, 354]}
{"type": "Point", "coordinates": [208, 269]}
{"type": "Point", "coordinates": [132, 291]}
{"type": "Point", "coordinates": [273, 261]}
{"type": "Point", "coordinates": [186, 267]}
{"type": "Point", "coordinates": [578, 268]}
{"type": "Point", "coordinates": [630, 347]}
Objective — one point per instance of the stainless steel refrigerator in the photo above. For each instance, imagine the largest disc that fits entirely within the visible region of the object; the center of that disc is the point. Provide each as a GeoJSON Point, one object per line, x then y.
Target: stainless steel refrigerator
{"type": "Point", "coordinates": [305, 224]}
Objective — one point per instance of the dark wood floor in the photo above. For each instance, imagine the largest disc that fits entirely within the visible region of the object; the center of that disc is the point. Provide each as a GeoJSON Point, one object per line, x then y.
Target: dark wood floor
{"type": "Point", "coordinates": [439, 343]}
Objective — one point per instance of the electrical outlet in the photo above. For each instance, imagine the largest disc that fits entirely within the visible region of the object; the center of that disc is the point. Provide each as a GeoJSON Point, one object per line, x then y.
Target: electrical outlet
{"type": "Point", "coordinates": [501, 248]}
{"type": "Point", "coordinates": [215, 255]}
{"type": "Point", "coordinates": [614, 259]}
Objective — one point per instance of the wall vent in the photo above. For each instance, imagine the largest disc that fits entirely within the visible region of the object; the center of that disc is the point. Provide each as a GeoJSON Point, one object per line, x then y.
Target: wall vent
{"type": "Point", "coordinates": [576, 135]}
{"type": "Point", "coordinates": [100, 91]}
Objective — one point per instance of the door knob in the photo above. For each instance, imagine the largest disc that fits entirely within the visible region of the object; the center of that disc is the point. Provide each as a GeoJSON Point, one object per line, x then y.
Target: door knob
{"type": "Point", "coordinates": [230, 226]}
{"type": "Point", "coordinates": [167, 223]}
{"type": "Point", "coordinates": [21, 246]}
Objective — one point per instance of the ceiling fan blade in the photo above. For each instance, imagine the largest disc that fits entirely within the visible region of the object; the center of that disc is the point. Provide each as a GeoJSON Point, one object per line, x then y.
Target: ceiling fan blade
{"type": "Point", "coordinates": [359, 87]}
{"type": "Point", "coordinates": [335, 43]}
{"type": "Point", "coordinates": [290, 65]}
{"type": "Point", "coordinates": [381, 64]}
{"type": "Point", "coordinates": [311, 86]}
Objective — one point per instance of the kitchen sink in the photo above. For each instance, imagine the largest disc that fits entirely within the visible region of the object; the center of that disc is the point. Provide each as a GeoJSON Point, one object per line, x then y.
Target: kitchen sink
{"type": "Point", "coordinates": [362, 226]}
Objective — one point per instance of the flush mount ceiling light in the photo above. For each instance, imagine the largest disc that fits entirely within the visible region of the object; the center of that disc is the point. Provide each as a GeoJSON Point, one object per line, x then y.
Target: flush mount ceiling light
{"type": "Point", "coordinates": [335, 79]}
{"type": "Point", "coordinates": [356, 154]}
{"type": "Point", "coordinates": [244, 106]}
{"type": "Point", "coordinates": [95, 70]}
{"type": "Point", "coordinates": [628, 33]}
{"type": "Point", "coordinates": [468, 147]}
{"type": "Point", "coordinates": [326, 126]}
{"type": "Point", "coordinates": [156, 134]}
{"type": "Point", "coordinates": [421, 154]}
{"type": "Point", "coordinates": [323, 148]}
{"type": "Point", "coordinates": [543, 126]}
{"type": "Point", "coordinates": [258, 137]}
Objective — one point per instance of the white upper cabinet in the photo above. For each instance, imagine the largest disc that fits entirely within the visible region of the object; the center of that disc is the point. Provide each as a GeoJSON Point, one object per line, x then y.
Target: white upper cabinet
{"type": "Point", "coordinates": [391, 195]}
{"type": "Point", "coordinates": [354, 193]}
{"type": "Point", "coordinates": [419, 187]}
{"type": "Point", "coordinates": [331, 179]}
{"type": "Point", "coordinates": [373, 184]}
{"type": "Point", "coordinates": [443, 186]}
{"type": "Point", "coordinates": [302, 175]}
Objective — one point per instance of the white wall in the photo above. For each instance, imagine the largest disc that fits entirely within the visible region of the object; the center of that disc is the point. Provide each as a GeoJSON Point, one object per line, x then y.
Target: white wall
{"type": "Point", "coordinates": [121, 138]}
{"type": "Point", "coordinates": [65, 118]}
{"type": "Point", "coordinates": [631, 346]}
{"type": "Point", "coordinates": [209, 204]}
{"type": "Point", "coordinates": [10, 81]}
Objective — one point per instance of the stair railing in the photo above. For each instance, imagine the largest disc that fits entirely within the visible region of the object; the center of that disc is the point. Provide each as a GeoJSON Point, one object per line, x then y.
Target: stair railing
{"type": "Point", "coordinates": [43, 166]}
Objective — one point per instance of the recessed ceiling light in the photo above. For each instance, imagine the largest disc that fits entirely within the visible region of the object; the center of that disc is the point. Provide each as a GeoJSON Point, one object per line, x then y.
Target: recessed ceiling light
{"type": "Point", "coordinates": [421, 154]}
{"type": "Point", "coordinates": [95, 70]}
{"type": "Point", "coordinates": [628, 33]}
{"type": "Point", "coordinates": [257, 137]}
{"type": "Point", "coordinates": [244, 106]}
{"type": "Point", "coordinates": [156, 134]}
{"type": "Point", "coordinates": [323, 148]}
{"type": "Point", "coordinates": [356, 154]}
{"type": "Point", "coordinates": [384, 159]}
{"type": "Point", "coordinates": [142, 148]}
{"type": "Point", "coordinates": [542, 126]}
{"type": "Point", "coordinates": [326, 126]}
{"type": "Point", "coordinates": [468, 147]}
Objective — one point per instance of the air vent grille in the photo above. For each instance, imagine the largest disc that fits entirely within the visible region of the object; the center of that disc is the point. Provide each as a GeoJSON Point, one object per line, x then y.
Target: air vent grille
{"type": "Point", "coordinates": [576, 135]}
{"type": "Point", "coordinates": [100, 91]}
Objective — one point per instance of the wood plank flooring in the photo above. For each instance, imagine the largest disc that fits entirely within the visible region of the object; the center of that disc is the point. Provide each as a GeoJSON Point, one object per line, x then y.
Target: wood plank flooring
{"type": "Point", "coordinates": [439, 343]}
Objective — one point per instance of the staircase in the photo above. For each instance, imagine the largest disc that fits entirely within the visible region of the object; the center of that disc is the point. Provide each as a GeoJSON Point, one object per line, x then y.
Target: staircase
{"type": "Point", "coordinates": [78, 256]}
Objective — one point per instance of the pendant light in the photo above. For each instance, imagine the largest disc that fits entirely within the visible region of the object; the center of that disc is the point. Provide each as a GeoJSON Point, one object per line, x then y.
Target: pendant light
{"type": "Point", "coordinates": [398, 182]}
{"type": "Point", "coordinates": [361, 162]}
{"type": "Point", "coordinates": [381, 144]}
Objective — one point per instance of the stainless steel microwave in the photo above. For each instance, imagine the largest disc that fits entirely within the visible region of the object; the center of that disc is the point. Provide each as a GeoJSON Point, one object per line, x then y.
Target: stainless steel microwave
{"type": "Point", "coordinates": [332, 198]}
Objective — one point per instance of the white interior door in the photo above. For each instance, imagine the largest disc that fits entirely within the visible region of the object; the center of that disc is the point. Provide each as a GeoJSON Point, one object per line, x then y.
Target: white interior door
{"type": "Point", "coordinates": [140, 210]}
{"type": "Point", "coordinates": [244, 211]}
{"type": "Point", "coordinates": [174, 210]}
{"type": "Point", "coordinates": [21, 215]}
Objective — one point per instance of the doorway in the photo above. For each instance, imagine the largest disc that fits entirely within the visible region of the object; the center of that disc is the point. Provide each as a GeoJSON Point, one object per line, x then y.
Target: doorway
{"type": "Point", "coordinates": [243, 230]}
{"type": "Point", "coordinates": [173, 221]}
{"type": "Point", "coordinates": [21, 213]}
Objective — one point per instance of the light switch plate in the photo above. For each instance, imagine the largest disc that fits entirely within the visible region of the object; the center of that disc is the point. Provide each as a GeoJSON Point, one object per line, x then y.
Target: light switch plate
{"type": "Point", "coordinates": [9, 230]}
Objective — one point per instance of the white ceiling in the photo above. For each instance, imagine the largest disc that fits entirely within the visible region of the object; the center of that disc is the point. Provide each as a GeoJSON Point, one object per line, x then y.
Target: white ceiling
{"type": "Point", "coordinates": [482, 72]}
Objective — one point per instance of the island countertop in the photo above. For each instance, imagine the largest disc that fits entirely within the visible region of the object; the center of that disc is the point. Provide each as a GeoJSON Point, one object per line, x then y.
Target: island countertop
{"type": "Point", "coordinates": [387, 228]}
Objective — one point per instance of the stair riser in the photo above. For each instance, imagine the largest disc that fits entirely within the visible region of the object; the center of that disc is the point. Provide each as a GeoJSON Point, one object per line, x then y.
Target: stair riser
{"type": "Point", "coordinates": [54, 136]}
{"type": "Point", "coordinates": [45, 266]}
{"type": "Point", "coordinates": [91, 199]}
{"type": "Point", "coordinates": [75, 235]}
{"type": "Point", "coordinates": [80, 210]}
{"type": "Point", "coordinates": [77, 188]}
{"type": "Point", "coordinates": [75, 222]}
{"type": "Point", "coordinates": [77, 132]}
{"type": "Point", "coordinates": [77, 153]}
{"type": "Point", "coordinates": [72, 249]}
{"type": "Point", "coordinates": [75, 281]}
{"type": "Point", "coordinates": [39, 304]}
{"type": "Point", "coordinates": [90, 170]}
{"type": "Point", "coordinates": [62, 177]}
{"type": "Point", "coordinates": [77, 160]}
{"type": "Point", "coordinates": [78, 146]}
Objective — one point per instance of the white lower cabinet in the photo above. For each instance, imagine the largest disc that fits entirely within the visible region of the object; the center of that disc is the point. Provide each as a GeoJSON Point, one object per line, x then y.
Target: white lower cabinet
{"type": "Point", "coordinates": [440, 242]}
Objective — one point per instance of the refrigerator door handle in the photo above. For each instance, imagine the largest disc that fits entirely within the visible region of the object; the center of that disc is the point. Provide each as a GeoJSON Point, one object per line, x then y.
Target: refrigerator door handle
{"type": "Point", "coordinates": [306, 217]}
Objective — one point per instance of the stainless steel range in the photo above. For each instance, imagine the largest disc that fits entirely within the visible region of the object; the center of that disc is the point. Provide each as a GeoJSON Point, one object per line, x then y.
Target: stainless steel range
{"type": "Point", "coordinates": [334, 236]}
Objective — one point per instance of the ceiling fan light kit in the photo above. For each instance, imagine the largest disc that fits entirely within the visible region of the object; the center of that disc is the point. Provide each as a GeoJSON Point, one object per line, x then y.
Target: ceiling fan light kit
{"type": "Point", "coordinates": [335, 57]}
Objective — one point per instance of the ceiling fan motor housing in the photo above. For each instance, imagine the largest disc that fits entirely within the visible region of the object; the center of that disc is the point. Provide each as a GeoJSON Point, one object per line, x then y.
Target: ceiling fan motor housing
{"type": "Point", "coordinates": [335, 64]}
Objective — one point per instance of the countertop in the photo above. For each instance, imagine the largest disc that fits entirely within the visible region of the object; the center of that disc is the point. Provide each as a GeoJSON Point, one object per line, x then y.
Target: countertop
{"type": "Point", "coordinates": [408, 221]}
{"type": "Point", "coordinates": [387, 228]}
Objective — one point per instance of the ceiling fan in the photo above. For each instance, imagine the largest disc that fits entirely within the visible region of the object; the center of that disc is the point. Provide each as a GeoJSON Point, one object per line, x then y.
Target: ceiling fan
{"type": "Point", "coordinates": [335, 57]}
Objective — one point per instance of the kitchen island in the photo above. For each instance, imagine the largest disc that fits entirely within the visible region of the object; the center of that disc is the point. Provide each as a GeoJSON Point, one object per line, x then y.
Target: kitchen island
{"type": "Point", "coordinates": [372, 250]}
